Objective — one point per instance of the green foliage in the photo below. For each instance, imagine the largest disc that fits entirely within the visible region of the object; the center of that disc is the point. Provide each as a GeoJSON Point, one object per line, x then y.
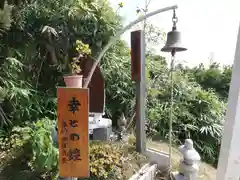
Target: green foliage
{"type": "Point", "coordinates": [14, 91]}
{"type": "Point", "coordinates": [5, 18]}
{"type": "Point", "coordinates": [120, 89]}
{"type": "Point", "coordinates": [132, 140]}
{"type": "Point", "coordinates": [83, 51]}
{"type": "Point", "coordinates": [106, 161]}
{"type": "Point", "coordinates": [197, 114]}
{"type": "Point", "coordinates": [35, 51]}
{"type": "Point", "coordinates": [19, 101]}
{"type": "Point", "coordinates": [14, 140]}
{"type": "Point", "coordinates": [35, 141]}
{"type": "Point", "coordinates": [11, 2]}
{"type": "Point", "coordinates": [45, 155]}
{"type": "Point", "coordinates": [82, 48]}
{"type": "Point", "coordinates": [39, 140]}
{"type": "Point", "coordinates": [41, 35]}
{"type": "Point", "coordinates": [214, 77]}
{"type": "Point", "coordinates": [91, 21]}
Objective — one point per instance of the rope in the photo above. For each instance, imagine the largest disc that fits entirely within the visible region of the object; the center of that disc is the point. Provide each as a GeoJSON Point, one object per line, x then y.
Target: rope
{"type": "Point", "coordinates": [174, 20]}
{"type": "Point", "coordinates": [171, 109]}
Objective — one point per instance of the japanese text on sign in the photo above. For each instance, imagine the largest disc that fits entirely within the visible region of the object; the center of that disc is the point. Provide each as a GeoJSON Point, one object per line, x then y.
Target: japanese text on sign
{"type": "Point", "coordinates": [73, 132]}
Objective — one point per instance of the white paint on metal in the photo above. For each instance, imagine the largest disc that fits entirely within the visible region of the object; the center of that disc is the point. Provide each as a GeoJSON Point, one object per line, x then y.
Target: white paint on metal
{"type": "Point", "coordinates": [229, 159]}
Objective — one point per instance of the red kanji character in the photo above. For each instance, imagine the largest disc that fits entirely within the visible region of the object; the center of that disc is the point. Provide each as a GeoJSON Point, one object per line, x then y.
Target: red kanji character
{"type": "Point", "coordinates": [74, 136]}
{"type": "Point", "coordinates": [64, 127]}
{"type": "Point", "coordinates": [64, 160]}
{"type": "Point", "coordinates": [64, 152]}
{"type": "Point", "coordinates": [74, 154]}
{"type": "Point", "coordinates": [73, 123]}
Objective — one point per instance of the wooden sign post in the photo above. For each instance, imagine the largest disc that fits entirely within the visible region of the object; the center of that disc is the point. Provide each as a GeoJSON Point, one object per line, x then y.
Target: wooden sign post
{"type": "Point", "coordinates": [138, 75]}
{"type": "Point", "coordinates": [73, 135]}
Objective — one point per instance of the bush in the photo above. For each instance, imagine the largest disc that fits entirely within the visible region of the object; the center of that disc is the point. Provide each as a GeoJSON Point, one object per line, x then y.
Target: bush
{"type": "Point", "coordinates": [29, 77]}
{"type": "Point", "coordinates": [14, 140]}
{"type": "Point", "coordinates": [45, 155]}
{"type": "Point", "coordinates": [106, 161]}
{"type": "Point", "coordinates": [132, 140]}
{"type": "Point", "coordinates": [119, 89]}
{"type": "Point", "coordinates": [39, 141]}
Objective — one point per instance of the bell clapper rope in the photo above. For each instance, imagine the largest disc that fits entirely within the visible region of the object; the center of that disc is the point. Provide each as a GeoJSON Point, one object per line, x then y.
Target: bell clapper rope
{"type": "Point", "coordinates": [174, 20]}
{"type": "Point", "coordinates": [171, 107]}
{"type": "Point", "coordinates": [173, 45]}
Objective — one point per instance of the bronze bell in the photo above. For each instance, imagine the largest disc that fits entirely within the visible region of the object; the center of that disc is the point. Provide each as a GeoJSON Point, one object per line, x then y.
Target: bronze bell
{"type": "Point", "coordinates": [173, 42]}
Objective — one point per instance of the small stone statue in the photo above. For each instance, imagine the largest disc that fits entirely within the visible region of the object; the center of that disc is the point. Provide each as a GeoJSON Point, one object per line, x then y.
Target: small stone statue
{"type": "Point", "coordinates": [189, 165]}
{"type": "Point", "coordinates": [190, 155]}
{"type": "Point", "coordinates": [121, 125]}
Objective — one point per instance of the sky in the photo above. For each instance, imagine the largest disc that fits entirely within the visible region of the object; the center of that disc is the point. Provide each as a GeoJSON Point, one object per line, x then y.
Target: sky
{"type": "Point", "coordinates": [209, 27]}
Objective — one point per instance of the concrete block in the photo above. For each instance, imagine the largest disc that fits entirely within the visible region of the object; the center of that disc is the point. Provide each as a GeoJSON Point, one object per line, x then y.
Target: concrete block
{"type": "Point", "coordinates": [102, 133]}
{"type": "Point", "coordinates": [159, 158]}
{"type": "Point", "coordinates": [147, 172]}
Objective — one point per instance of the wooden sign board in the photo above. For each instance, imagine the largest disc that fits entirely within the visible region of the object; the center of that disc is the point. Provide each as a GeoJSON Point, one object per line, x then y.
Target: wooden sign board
{"type": "Point", "coordinates": [136, 55]}
{"type": "Point", "coordinates": [73, 137]}
{"type": "Point", "coordinates": [96, 86]}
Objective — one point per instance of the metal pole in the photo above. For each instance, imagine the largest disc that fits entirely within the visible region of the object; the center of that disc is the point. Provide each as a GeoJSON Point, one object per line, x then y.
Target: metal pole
{"type": "Point", "coordinates": [141, 101]}
{"type": "Point", "coordinates": [114, 39]}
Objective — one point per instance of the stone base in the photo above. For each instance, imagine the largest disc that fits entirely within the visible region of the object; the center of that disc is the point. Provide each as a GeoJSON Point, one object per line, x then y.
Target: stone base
{"type": "Point", "coordinates": [159, 158]}
{"type": "Point", "coordinates": [102, 134]}
{"type": "Point", "coordinates": [147, 172]}
{"type": "Point", "coordinates": [177, 176]}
